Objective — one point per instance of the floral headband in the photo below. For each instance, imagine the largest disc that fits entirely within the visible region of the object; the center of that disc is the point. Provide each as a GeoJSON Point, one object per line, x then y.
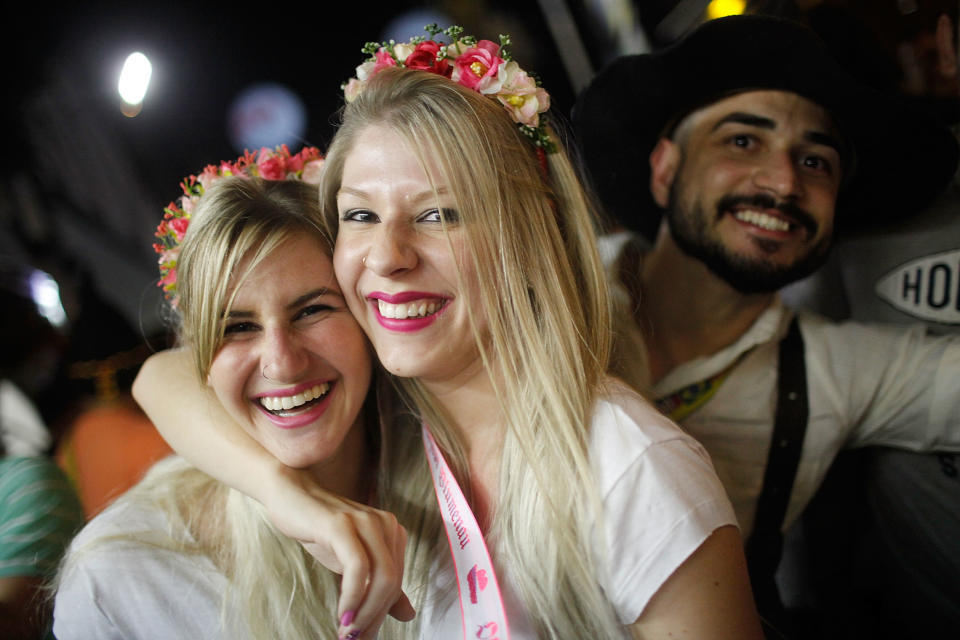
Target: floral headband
{"type": "Point", "coordinates": [484, 66]}
{"type": "Point", "coordinates": [276, 164]}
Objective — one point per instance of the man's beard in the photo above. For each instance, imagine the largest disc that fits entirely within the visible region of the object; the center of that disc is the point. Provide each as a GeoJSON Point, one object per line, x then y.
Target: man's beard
{"type": "Point", "coordinates": [748, 275]}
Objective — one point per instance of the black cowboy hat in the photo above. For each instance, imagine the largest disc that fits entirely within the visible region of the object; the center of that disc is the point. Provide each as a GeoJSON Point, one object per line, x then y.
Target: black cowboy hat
{"type": "Point", "coordinates": [903, 158]}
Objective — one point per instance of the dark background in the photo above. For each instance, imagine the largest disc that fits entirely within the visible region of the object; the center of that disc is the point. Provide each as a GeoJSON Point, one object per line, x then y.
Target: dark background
{"type": "Point", "coordinates": [82, 186]}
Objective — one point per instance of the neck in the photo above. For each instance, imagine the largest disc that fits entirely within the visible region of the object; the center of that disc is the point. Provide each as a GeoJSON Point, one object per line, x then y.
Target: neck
{"type": "Point", "coordinates": [350, 471]}
{"type": "Point", "coordinates": [473, 414]}
{"type": "Point", "coordinates": [687, 311]}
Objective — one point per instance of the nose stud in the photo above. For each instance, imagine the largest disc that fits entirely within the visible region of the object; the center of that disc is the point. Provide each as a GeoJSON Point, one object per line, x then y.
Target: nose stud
{"type": "Point", "coordinates": [263, 372]}
{"type": "Point", "coordinates": [363, 261]}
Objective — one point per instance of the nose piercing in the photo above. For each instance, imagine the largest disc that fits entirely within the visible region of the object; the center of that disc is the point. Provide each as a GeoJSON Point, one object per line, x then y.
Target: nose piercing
{"type": "Point", "coordinates": [263, 372]}
{"type": "Point", "coordinates": [363, 261]}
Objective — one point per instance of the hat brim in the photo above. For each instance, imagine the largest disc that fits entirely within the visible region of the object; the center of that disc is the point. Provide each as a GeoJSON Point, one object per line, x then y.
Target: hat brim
{"type": "Point", "coordinates": [904, 158]}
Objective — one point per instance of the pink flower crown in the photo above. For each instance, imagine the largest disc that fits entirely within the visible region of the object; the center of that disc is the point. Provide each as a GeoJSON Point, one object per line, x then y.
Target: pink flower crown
{"type": "Point", "coordinates": [276, 164]}
{"type": "Point", "coordinates": [484, 66]}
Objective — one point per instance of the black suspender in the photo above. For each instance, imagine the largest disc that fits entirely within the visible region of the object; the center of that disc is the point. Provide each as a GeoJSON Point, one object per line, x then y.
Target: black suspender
{"type": "Point", "coordinates": [790, 424]}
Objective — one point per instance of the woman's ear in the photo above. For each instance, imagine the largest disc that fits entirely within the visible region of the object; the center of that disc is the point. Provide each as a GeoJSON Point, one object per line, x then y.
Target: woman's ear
{"type": "Point", "coordinates": [664, 162]}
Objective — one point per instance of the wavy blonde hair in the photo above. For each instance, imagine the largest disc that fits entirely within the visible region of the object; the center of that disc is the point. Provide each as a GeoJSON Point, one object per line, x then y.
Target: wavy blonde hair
{"type": "Point", "coordinates": [279, 589]}
{"type": "Point", "coordinates": [531, 239]}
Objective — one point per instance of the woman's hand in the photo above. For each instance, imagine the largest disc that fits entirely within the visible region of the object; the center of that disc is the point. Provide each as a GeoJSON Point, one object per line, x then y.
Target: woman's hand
{"type": "Point", "coordinates": [364, 545]}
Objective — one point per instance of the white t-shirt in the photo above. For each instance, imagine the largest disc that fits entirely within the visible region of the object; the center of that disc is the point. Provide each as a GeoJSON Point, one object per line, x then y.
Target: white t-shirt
{"type": "Point", "coordinates": [867, 385]}
{"type": "Point", "coordinates": [661, 500]}
{"type": "Point", "coordinates": [124, 591]}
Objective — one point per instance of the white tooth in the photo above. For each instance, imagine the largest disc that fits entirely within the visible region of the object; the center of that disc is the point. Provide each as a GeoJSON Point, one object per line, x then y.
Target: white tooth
{"type": "Point", "coordinates": [422, 309]}
{"type": "Point", "coordinates": [298, 399]}
{"type": "Point", "coordinates": [286, 402]}
{"type": "Point", "coordinates": [763, 220]}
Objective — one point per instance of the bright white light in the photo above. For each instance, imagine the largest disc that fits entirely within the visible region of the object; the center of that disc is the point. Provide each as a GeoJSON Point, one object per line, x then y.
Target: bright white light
{"type": "Point", "coordinates": [46, 295]}
{"type": "Point", "coordinates": [135, 78]}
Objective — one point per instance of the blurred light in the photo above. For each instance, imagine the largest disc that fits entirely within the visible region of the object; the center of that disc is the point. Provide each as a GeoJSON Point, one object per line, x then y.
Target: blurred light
{"type": "Point", "coordinates": [46, 295]}
{"type": "Point", "coordinates": [721, 8]}
{"type": "Point", "coordinates": [266, 115]}
{"type": "Point", "coordinates": [135, 78]}
{"type": "Point", "coordinates": [408, 24]}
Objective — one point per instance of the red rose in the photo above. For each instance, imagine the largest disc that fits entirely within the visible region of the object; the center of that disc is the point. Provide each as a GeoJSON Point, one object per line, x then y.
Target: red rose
{"type": "Point", "coordinates": [424, 58]}
{"type": "Point", "coordinates": [271, 166]}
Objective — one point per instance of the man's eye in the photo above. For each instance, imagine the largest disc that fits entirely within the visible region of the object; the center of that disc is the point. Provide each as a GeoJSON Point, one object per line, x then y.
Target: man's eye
{"type": "Point", "coordinates": [359, 215]}
{"type": "Point", "coordinates": [817, 163]}
{"type": "Point", "coordinates": [450, 216]}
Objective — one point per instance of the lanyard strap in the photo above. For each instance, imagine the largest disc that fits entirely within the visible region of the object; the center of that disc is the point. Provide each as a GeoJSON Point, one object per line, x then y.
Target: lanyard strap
{"type": "Point", "coordinates": [680, 404]}
{"type": "Point", "coordinates": [481, 606]}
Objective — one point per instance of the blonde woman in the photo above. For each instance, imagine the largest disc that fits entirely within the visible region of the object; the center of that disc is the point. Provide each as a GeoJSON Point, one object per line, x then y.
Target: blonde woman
{"type": "Point", "coordinates": [465, 248]}
{"type": "Point", "coordinates": [181, 555]}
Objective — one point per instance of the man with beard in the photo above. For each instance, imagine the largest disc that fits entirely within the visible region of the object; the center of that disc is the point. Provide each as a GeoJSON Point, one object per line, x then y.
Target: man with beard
{"type": "Point", "coordinates": [729, 160]}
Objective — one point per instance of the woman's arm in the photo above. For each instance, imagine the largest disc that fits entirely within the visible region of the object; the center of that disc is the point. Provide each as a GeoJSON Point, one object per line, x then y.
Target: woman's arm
{"type": "Point", "coordinates": [363, 544]}
{"type": "Point", "coordinates": [707, 597]}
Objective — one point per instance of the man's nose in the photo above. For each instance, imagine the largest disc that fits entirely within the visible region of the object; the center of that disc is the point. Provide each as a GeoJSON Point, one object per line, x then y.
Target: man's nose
{"type": "Point", "coordinates": [779, 175]}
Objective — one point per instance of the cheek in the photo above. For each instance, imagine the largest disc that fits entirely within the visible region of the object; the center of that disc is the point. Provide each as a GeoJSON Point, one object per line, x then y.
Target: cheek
{"type": "Point", "coordinates": [228, 376]}
{"type": "Point", "coordinates": [347, 267]}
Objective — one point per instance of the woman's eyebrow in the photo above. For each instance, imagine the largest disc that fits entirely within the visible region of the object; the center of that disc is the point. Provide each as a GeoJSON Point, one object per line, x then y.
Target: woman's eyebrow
{"type": "Point", "coordinates": [310, 295]}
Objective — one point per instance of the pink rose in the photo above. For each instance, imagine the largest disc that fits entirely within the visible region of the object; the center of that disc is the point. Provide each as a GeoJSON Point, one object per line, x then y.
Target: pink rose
{"type": "Point", "coordinates": [179, 227]}
{"type": "Point", "coordinates": [169, 256]}
{"type": "Point", "coordinates": [168, 280]}
{"type": "Point", "coordinates": [209, 175]}
{"type": "Point", "coordinates": [478, 67]}
{"type": "Point", "coordinates": [521, 95]}
{"type": "Point", "coordinates": [383, 60]}
{"type": "Point", "coordinates": [271, 166]}
{"type": "Point", "coordinates": [352, 89]}
{"type": "Point", "coordinates": [295, 163]}
{"type": "Point", "coordinates": [424, 58]}
{"type": "Point", "coordinates": [188, 204]}
{"type": "Point", "coordinates": [312, 171]}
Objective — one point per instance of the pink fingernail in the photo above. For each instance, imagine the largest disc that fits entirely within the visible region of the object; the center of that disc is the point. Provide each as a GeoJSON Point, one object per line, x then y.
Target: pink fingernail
{"type": "Point", "coordinates": [347, 618]}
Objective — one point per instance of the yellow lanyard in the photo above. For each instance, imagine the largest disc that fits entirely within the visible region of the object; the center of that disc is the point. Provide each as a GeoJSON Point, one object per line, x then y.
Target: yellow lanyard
{"type": "Point", "coordinates": [680, 404]}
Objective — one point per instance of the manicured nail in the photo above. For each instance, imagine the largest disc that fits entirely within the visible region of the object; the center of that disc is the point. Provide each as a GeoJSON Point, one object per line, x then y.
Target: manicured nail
{"type": "Point", "coordinates": [347, 618]}
{"type": "Point", "coordinates": [353, 635]}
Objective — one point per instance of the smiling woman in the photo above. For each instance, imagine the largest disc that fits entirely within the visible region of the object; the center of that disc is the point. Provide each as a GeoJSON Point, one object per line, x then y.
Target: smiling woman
{"type": "Point", "coordinates": [466, 249]}
{"type": "Point", "coordinates": [272, 336]}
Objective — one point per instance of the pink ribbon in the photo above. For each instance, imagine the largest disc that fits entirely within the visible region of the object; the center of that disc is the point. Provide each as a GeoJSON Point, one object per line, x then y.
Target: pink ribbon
{"type": "Point", "coordinates": [481, 605]}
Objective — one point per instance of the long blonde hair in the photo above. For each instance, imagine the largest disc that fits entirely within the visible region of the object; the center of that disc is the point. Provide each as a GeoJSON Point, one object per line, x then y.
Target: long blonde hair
{"type": "Point", "coordinates": [277, 587]}
{"type": "Point", "coordinates": [532, 242]}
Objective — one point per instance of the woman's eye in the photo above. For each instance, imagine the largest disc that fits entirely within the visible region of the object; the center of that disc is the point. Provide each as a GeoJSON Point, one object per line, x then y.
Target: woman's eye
{"type": "Point", "coordinates": [447, 215]}
{"type": "Point", "coordinates": [359, 215]}
{"type": "Point", "coordinates": [239, 327]}
{"type": "Point", "coordinates": [313, 310]}
{"type": "Point", "coordinates": [741, 140]}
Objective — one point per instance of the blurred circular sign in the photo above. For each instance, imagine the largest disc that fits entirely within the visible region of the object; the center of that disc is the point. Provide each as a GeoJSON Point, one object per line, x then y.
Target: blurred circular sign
{"type": "Point", "coordinates": [266, 115]}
